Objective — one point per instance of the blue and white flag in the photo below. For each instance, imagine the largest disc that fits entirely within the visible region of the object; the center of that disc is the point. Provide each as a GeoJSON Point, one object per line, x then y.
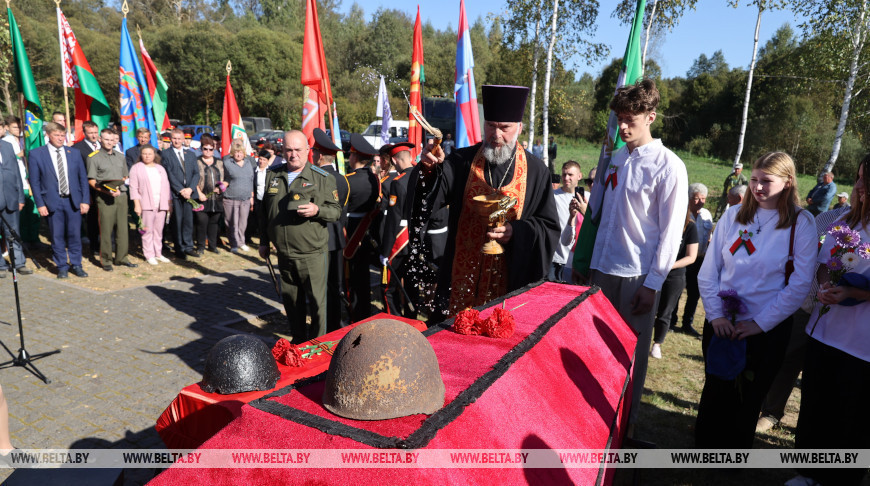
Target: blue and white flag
{"type": "Point", "coordinates": [384, 112]}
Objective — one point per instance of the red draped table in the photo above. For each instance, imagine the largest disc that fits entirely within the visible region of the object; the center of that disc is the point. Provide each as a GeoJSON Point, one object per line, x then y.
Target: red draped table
{"type": "Point", "coordinates": [561, 382]}
{"type": "Point", "coordinates": [194, 415]}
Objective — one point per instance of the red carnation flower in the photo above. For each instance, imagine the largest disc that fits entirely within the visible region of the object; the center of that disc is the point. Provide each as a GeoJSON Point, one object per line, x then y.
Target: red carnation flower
{"type": "Point", "coordinates": [286, 353]}
{"type": "Point", "coordinates": [468, 322]}
{"type": "Point", "coordinates": [500, 324]}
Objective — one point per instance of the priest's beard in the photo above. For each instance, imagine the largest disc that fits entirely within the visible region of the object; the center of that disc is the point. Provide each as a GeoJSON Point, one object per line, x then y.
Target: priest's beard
{"type": "Point", "coordinates": [499, 155]}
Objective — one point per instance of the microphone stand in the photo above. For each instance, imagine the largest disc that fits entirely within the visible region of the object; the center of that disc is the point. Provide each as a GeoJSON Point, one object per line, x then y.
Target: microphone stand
{"type": "Point", "coordinates": [24, 359]}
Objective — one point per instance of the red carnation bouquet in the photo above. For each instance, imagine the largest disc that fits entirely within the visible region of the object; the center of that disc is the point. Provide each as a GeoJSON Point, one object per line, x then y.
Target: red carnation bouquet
{"type": "Point", "coordinates": [500, 324]}
{"type": "Point", "coordinates": [287, 354]}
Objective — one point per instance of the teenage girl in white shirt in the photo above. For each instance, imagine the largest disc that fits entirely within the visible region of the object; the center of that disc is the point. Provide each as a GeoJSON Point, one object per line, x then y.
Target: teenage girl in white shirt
{"type": "Point", "coordinates": [748, 254]}
{"type": "Point", "coordinates": [836, 376]}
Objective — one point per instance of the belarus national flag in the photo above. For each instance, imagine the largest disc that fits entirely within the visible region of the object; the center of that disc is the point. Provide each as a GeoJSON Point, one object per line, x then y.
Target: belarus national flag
{"type": "Point", "coordinates": [90, 104]}
{"type": "Point", "coordinates": [157, 88]}
{"type": "Point", "coordinates": [467, 120]}
{"type": "Point", "coordinates": [232, 126]}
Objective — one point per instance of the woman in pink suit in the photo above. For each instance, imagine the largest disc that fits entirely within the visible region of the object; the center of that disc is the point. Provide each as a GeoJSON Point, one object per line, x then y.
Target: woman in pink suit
{"type": "Point", "coordinates": [149, 191]}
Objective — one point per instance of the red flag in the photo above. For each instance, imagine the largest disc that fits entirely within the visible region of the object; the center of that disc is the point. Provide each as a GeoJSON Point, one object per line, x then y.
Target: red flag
{"type": "Point", "coordinates": [156, 87]}
{"type": "Point", "coordinates": [314, 74]}
{"type": "Point", "coordinates": [415, 131]}
{"type": "Point", "coordinates": [231, 123]}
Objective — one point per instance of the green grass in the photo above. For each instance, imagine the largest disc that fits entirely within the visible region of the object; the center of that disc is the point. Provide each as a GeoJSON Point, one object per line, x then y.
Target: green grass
{"type": "Point", "coordinates": [709, 171]}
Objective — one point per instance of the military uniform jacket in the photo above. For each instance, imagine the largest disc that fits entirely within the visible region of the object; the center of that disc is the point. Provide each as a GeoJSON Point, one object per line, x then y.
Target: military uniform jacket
{"type": "Point", "coordinates": [395, 219]}
{"type": "Point", "coordinates": [292, 234]}
{"type": "Point", "coordinates": [364, 190]}
{"type": "Point", "coordinates": [103, 166]}
{"type": "Point", "coordinates": [337, 239]}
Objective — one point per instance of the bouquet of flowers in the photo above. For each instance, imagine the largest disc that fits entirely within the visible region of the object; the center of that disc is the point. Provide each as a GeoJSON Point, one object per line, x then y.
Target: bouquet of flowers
{"type": "Point", "coordinates": [844, 255]}
{"type": "Point", "coordinates": [197, 207]}
{"type": "Point", "coordinates": [726, 358]}
{"type": "Point", "coordinates": [219, 188]}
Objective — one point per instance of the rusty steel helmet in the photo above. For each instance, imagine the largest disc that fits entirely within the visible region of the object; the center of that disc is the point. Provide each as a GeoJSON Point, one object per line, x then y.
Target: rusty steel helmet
{"type": "Point", "coordinates": [237, 364]}
{"type": "Point", "coordinates": [383, 369]}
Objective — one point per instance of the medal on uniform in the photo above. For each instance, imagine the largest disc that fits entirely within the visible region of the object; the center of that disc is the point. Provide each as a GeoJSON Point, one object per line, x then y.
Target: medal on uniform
{"type": "Point", "coordinates": [743, 240]}
{"type": "Point", "coordinates": [295, 197]}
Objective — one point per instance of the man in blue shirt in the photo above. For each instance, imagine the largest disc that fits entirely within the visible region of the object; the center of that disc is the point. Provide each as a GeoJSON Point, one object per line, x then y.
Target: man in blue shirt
{"type": "Point", "coordinates": [819, 199]}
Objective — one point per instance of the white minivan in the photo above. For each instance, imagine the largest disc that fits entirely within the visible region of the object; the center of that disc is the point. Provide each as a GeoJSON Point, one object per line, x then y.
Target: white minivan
{"type": "Point", "coordinates": [372, 134]}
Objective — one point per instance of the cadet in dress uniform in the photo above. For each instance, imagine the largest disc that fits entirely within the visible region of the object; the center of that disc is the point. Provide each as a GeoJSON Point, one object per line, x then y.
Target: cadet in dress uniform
{"type": "Point", "coordinates": [323, 155]}
{"type": "Point", "coordinates": [361, 209]}
{"type": "Point", "coordinates": [394, 242]}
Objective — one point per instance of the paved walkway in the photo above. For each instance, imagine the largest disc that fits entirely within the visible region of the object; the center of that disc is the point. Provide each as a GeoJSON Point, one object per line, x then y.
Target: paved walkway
{"type": "Point", "coordinates": [124, 355]}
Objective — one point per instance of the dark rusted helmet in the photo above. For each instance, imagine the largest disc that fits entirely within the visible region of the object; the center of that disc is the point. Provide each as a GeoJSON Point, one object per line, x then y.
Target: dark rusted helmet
{"type": "Point", "coordinates": [383, 369]}
{"type": "Point", "coordinates": [239, 364]}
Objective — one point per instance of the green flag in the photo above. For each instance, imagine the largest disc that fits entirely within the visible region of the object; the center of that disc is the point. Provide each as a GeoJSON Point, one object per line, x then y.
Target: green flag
{"type": "Point", "coordinates": [24, 81]}
{"type": "Point", "coordinates": [632, 70]}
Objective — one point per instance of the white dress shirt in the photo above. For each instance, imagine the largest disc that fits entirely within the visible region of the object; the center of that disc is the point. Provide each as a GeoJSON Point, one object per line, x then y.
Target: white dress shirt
{"type": "Point", "coordinates": [566, 238]}
{"type": "Point", "coordinates": [642, 217]}
{"type": "Point", "coordinates": [845, 327]}
{"type": "Point", "coordinates": [260, 181]}
{"type": "Point", "coordinates": [52, 150]}
{"type": "Point", "coordinates": [759, 278]}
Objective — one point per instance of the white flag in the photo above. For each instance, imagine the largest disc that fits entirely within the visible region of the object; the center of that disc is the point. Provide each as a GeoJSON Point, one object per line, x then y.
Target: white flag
{"type": "Point", "coordinates": [384, 112]}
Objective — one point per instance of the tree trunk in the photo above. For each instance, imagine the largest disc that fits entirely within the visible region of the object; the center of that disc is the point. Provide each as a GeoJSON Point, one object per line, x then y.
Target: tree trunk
{"type": "Point", "coordinates": [535, 60]}
{"type": "Point", "coordinates": [858, 38]}
{"type": "Point", "coordinates": [7, 97]}
{"type": "Point", "coordinates": [546, 121]}
{"type": "Point", "coordinates": [652, 17]}
{"type": "Point", "coordinates": [749, 86]}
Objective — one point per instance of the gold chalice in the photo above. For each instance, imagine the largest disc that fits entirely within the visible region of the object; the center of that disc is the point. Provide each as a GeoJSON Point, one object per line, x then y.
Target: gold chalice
{"type": "Point", "coordinates": [495, 207]}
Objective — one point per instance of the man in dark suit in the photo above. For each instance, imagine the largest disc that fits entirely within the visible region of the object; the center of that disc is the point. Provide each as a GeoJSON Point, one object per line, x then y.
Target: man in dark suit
{"type": "Point", "coordinates": [324, 151]}
{"type": "Point", "coordinates": [11, 203]}
{"type": "Point", "coordinates": [60, 189]}
{"type": "Point", "coordinates": [180, 165]}
{"type": "Point", "coordinates": [87, 146]}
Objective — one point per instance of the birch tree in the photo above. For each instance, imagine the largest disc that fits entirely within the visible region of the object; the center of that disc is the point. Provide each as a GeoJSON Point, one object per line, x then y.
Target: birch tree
{"type": "Point", "coordinates": [849, 20]}
{"type": "Point", "coordinates": [762, 5]}
{"type": "Point", "coordinates": [546, 113]}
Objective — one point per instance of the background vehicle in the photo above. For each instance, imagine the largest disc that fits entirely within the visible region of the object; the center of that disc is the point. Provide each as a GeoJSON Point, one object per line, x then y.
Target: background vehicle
{"type": "Point", "coordinates": [344, 135]}
{"type": "Point", "coordinates": [372, 134]}
{"type": "Point", "coordinates": [198, 130]}
{"type": "Point", "coordinates": [254, 124]}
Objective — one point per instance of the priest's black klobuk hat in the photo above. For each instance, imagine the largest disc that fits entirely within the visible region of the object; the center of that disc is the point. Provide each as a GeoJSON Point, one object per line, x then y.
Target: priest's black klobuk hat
{"type": "Point", "coordinates": [359, 144]}
{"type": "Point", "coordinates": [323, 143]}
{"type": "Point", "coordinates": [504, 103]}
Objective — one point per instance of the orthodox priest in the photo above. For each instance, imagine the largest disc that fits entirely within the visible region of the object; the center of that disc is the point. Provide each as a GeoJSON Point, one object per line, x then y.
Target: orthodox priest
{"type": "Point", "coordinates": [498, 166]}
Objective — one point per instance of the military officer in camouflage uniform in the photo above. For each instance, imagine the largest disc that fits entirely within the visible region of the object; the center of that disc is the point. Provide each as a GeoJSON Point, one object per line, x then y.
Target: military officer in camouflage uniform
{"type": "Point", "coordinates": [300, 199]}
{"type": "Point", "coordinates": [107, 175]}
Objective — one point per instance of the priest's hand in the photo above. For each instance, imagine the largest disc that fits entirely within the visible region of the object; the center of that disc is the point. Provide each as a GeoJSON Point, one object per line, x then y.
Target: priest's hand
{"type": "Point", "coordinates": [431, 155]}
{"type": "Point", "coordinates": [643, 301]}
{"type": "Point", "coordinates": [502, 234]}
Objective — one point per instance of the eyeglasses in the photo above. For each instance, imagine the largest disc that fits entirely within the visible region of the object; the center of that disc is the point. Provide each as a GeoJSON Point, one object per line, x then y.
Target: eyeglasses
{"type": "Point", "coordinates": [207, 148]}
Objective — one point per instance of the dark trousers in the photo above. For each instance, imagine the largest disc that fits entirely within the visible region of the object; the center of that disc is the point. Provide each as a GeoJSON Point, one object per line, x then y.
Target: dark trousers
{"type": "Point", "coordinates": [182, 225]}
{"type": "Point", "coordinates": [65, 226]}
{"type": "Point", "coordinates": [394, 298]}
{"type": "Point", "coordinates": [113, 216]}
{"type": "Point", "coordinates": [692, 293]}
{"type": "Point", "coordinates": [14, 249]}
{"type": "Point", "coordinates": [835, 391]}
{"type": "Point", "coordinates": [795, 354]}
{"type": "Point", "coordinates": [253, 228]}
{"type": "Point", "coordinates": [303, 287]}
{"type": "Point", "coordinates": [206, 226]}
{"type": "Point", "coordinates": [360, 283]}
{"type": "Point", "coordinates": [728, 410]}
{"type": "Point", "coordinates": [334, 290]}
{"type": "Point", "coordinates": [93, 222]}
{"type": "Point", "coordinates": [672, 289]}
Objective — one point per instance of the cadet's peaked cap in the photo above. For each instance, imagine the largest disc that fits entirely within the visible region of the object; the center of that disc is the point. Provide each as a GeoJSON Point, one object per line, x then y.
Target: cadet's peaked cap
{"type": "Point", "coordinates": [401, 147]}
{"type": "Point", "coordinates": [504, 103]}
{"type": "Point", "coordinates": [323, 143]}
{"type": "Point", "coordinates": [359, 144]}
{"type": "Point", "coordinates": [385, 149]}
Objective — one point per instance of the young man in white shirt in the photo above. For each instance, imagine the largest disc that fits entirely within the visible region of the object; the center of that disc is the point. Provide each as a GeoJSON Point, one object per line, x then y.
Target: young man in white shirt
{"type": "Point", "coordinates": [643, 209]}
{"type": "Point", "coordinates": [567, 214]}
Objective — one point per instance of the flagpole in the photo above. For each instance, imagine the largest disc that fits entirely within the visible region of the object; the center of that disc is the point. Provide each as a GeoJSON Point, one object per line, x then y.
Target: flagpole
{"type": "Point", "coordinates": [62, 71]}
{"type": "Point", "coordinates": [329, 113]}
{"type": "Point", "coordinates": [21, 122]}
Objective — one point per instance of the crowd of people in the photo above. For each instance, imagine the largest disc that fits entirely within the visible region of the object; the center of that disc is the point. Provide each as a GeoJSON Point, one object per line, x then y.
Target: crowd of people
{"type": "Point", "coordinates": [635, 227]}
